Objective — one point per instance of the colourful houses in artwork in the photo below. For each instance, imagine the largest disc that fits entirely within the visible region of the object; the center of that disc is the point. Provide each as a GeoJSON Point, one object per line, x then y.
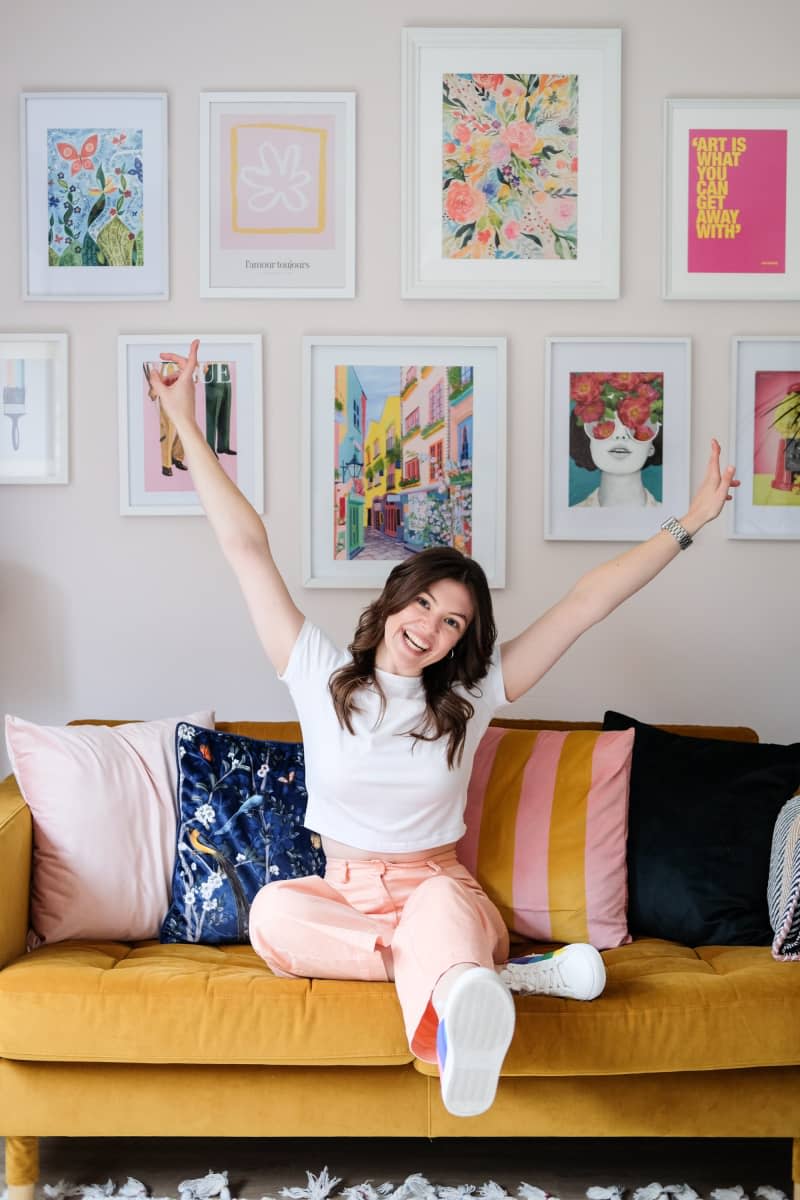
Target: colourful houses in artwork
{"type": "Point", "coordinates": [351, 414]}
{"type": "Point", "coordinates": [383, 465]}
{"type": "Point", "coordinates": [403, 476]}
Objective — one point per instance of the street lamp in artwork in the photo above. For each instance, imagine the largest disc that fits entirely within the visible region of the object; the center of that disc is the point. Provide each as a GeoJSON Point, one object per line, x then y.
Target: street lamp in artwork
{"type": "Point", "coordinates": [352, 465]}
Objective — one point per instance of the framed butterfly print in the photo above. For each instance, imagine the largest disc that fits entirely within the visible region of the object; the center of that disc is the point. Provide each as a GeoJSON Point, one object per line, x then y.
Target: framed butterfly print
{"type": "Point", "coordinates": [94, 196]}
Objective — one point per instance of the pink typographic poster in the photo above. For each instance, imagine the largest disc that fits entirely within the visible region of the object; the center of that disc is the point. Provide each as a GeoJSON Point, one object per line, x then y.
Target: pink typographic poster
{"type": "Point", "coordinates": [737, 201]}
{"type": "Point", "coordinates": [276, 182]}
{"type": "Point", "coordinates": [215, 410]}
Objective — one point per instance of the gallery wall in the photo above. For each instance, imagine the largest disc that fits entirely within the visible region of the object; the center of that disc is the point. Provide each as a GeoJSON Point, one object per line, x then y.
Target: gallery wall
{"type": "Point", "coordinates": [130, 616]}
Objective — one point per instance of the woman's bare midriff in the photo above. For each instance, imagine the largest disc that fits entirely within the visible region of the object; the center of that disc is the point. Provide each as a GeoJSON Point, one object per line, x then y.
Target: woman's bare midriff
{"type": "Point", "coordinates": [335, 849]}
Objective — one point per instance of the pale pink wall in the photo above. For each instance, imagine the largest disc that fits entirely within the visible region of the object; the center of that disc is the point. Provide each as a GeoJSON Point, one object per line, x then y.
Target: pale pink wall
{"type": "Point", "coordinates": [139, 617]}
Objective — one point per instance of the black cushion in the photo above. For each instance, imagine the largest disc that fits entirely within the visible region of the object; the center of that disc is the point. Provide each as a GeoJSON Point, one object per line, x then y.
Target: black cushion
{"type": "Point", "coordinates": [700, 828]}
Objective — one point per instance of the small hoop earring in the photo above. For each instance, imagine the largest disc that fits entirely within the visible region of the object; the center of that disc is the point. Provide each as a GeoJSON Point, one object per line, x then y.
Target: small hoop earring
{"type": "Point", "coordinates": [452, 653]}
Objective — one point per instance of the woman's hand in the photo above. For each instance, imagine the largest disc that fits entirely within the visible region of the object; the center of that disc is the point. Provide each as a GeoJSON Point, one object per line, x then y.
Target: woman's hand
{"type": "Point", "coordinates": [710, 498]}
{"type": "Point", "coordinates": [176, 392]}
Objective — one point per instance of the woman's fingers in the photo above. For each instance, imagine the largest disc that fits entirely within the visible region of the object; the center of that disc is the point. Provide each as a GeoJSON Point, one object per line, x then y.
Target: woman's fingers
{"type": "Point", "coordinates": [187, 364]}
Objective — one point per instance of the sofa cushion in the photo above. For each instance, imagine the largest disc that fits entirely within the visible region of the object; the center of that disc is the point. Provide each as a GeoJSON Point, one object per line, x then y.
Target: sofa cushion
{"type": "Point", "coordinates": [665, 1008]}
{"type": "Point", "coordinates": [701, 818]}
{"type": "Point", "coordinates": [181, 1003]}
{"type": "Point", "coordinates": [103, 805]}
{"type": "Point", "coordinates": [241, 802]}
{"type": "Point", "coordinates": [783, 888]}
{"type": "Point", "coordinates": [547, 821]}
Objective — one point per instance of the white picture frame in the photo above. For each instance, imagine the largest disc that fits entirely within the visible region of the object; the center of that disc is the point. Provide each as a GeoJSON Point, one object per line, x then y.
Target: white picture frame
{"type": "Point", "coordinates": [261, 241]}
{"type": "Point", "coordinates": [766, 505]}
{"type": "Point", "coordinates": [229, 406]}
{"type": "Point", "coordinates": [404, 446]}
{"type": "Point", "coordinates": [630, 384]}
{"type": "Point", "coordinates": [34, 408]}
{"type": "Point", "coordinates": [108, 238]}
{"type": "Point", "coordinates": [735, 236]}
{"type": "Point", "coordinates": [567, 192]}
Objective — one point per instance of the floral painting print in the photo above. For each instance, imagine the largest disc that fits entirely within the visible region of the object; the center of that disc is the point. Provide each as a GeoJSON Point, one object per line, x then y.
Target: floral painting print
{"type": "Point", "coordinates": [776, 444]}
{"type": "Point", "coordinates": [402, 460]}
{"type": "Point", "coordinates": [510, 166]}
{"type": "Point", "coordinates": [615, 438]}
{"type": "Point", "coordinates": [95, 181]}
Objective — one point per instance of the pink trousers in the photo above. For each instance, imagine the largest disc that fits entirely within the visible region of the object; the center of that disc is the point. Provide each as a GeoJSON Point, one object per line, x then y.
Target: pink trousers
{"type": "Point", "coordinates": [370, 919]}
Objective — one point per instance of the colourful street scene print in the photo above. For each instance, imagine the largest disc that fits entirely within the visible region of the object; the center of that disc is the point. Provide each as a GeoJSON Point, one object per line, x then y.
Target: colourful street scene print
{"type": "Point", "coordinates": [510, 166]}
{"type": "Point", "coordinates": [402, 470]}
{"type": "Point", "coordinates": [95, 182]}
{"type": "Point", "coordinates": [776, 441]}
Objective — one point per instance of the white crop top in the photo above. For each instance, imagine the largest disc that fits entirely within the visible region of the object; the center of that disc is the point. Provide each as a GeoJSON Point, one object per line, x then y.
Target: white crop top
{"type": "Point", "coordinates": [377, 789]}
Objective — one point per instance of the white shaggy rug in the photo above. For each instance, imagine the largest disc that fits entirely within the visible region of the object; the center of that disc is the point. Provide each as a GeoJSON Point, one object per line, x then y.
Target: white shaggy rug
{"type": "Point", "coordinates": [214, 1186]}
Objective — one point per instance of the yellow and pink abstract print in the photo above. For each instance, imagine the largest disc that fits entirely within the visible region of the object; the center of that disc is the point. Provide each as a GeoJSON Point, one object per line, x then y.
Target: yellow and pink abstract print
{"type": "Point", "coordinates": [547, 822]}
{"type": "Point", "coordinates": [510, 166]}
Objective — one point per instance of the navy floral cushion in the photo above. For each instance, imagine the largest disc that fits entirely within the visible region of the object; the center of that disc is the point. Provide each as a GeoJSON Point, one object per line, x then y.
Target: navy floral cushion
{"type": "Point", "coordinates": [241, 805]}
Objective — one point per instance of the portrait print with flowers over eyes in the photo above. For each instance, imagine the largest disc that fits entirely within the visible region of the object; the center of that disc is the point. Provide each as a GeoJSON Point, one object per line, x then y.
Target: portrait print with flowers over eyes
{"type": "Point", "coordinates": [616, 422]}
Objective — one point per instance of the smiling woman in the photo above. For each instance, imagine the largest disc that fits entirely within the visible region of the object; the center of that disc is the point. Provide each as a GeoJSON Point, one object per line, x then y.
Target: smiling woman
{"type": "Point", "coordinates": [391, 729]}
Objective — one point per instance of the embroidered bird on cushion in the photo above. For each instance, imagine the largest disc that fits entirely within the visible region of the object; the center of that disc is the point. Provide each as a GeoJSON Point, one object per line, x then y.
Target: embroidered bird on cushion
{"type": "Point", "coordinates": [229, 871]}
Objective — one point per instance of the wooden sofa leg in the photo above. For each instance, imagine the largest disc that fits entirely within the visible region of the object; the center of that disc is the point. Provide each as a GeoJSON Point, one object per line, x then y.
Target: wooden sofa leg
{"type": "Point", "coordinates": [22, 1167]}
{"type": "Point", "coordinates": [795, 1168]}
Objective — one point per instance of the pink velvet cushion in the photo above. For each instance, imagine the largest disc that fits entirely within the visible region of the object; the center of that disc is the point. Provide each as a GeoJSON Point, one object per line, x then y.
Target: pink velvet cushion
{"type": "Point", "coordinates": [547, 824]}
{"type": "Point", "coordinates": [104, 823]}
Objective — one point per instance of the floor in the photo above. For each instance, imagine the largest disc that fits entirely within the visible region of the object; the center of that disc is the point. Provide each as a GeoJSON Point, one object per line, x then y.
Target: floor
{"type": "Point", "coordinates": [564, 1168]}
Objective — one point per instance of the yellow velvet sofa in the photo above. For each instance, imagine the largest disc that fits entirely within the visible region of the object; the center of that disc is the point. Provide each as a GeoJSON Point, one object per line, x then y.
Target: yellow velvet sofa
{"type": "Point", "coordinates": [111, 1039]}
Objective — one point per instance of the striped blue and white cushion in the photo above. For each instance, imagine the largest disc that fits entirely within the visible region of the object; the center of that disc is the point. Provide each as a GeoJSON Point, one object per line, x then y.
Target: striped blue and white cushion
{"type": "Point", "coordinates": [783, 889]}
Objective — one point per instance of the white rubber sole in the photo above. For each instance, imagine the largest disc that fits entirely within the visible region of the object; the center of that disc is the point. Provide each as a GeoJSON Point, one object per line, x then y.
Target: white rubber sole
{"type": "Point", "coordinates": [479, 1021]}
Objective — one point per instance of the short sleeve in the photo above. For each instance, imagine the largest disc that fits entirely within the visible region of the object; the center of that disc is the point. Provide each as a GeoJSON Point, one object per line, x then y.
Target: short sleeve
{"type": "Point", "coordinates": [311, 663]}
{"type": "Point", "coordinates": [493, 686]}
{"type": "Point", "coordinates": [489, 693]}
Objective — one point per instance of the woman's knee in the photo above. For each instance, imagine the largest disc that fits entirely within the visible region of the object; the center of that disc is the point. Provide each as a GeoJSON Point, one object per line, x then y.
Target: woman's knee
{"type": "Point", "coordinates": [274, 908]}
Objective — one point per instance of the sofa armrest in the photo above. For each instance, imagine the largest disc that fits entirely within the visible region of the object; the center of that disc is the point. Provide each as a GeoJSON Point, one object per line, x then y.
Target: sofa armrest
{"type": "Point", "coordinates": [16, 843]}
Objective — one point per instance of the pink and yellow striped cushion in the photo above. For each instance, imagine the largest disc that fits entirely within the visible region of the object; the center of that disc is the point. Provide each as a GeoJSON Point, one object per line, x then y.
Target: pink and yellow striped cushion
{"type": "Point", "coordinates": [547, 824]}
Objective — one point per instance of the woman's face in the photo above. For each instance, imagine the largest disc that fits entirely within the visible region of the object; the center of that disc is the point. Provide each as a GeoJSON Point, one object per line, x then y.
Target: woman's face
{"type": "Point", "coordinates": [426, 630]}
{"type": "Point", "coordinates": [620, 453]}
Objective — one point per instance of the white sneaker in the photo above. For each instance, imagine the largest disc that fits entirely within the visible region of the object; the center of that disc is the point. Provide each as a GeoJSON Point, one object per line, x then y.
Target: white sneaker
{"type": "Point", "coordinates": [576, 972]}
{"type": "Point", "coordinates": [471, 1042]}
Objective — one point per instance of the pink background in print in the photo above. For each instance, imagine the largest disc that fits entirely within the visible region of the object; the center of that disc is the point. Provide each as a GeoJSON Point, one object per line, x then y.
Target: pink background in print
{"type": "Point", "coordinates": [250, 142]}
{"type": "Point", "coordinates": [771, 387]}
{"type": "Point", "coordinates": [756, 188]}
{"type": "Point", "coordinates": [181, 481]}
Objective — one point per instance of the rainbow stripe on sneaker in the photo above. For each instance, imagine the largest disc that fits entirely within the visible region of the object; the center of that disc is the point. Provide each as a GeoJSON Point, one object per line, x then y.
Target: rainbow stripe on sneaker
{"type": "Point", "coordinates": [537, 958]}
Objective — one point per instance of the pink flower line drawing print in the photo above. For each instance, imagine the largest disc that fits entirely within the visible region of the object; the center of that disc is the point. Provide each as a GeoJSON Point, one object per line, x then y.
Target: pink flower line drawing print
{"type": "Point", "coordinates": [402, 460]}
{"type": "Point", "coordinates": [278, 181]}
{"type": "Point", "coordinates": [510, 166]}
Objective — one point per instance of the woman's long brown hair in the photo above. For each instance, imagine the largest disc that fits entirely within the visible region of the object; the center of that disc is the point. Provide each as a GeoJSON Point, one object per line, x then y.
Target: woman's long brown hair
{"type": "Point", "coordinates": [447, 711]}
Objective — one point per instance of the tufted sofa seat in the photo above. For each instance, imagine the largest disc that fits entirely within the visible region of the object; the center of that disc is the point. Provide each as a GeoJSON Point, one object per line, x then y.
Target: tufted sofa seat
{"type": "Point", "coordinates": [666, 1008]}
{"type": "Point", "coordinates": [107, 1038]}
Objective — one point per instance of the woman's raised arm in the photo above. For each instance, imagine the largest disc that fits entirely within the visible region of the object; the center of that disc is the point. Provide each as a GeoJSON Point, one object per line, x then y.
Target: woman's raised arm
{"type": "Point", "coordinates": [527, 657]}
{"type": "Point", "coordinates": [238, 527]}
